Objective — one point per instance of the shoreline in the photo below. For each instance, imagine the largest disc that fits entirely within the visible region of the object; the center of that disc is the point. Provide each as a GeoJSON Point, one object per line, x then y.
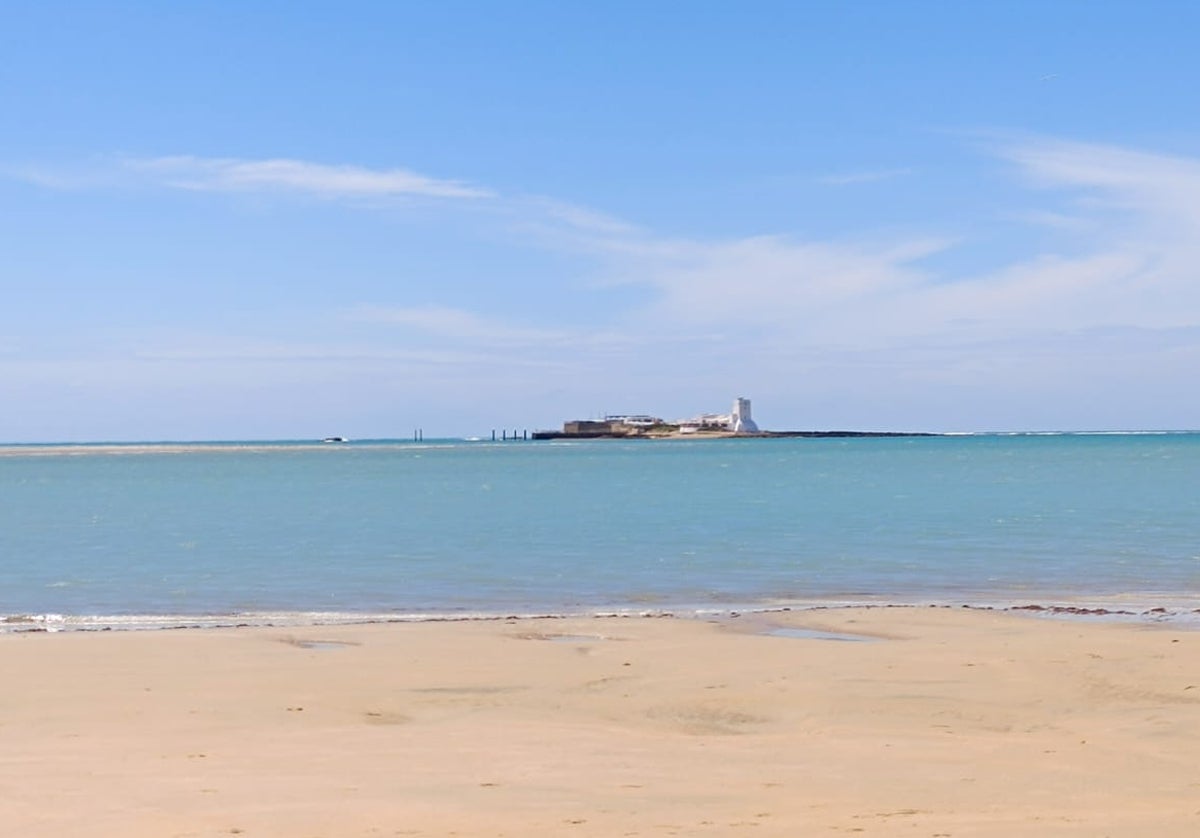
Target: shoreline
{"type": "Point", "coordinates": [943, 721]}
{"type": "Point", "coordinates": [1135, 609]}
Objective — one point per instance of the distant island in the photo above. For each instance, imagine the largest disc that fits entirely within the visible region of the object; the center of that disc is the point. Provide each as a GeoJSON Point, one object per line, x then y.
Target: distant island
{"type": "Point", "coordinates": [737, 423]}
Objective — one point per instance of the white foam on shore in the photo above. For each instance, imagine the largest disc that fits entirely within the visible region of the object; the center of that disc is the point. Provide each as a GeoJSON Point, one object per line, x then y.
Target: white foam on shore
{"type": "Point", "coordinates": [16, 623]}
{"type": "Point", "coordinates": [1137, 608]}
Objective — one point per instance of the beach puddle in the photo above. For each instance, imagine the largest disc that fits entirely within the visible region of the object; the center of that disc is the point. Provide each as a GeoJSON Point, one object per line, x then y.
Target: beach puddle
{"type": "Point", "coordinates": [763, 625]}
{"type": "Point", "coordinates": [813, 634]}
{"type": "Point", "coordinates": [323, 645]}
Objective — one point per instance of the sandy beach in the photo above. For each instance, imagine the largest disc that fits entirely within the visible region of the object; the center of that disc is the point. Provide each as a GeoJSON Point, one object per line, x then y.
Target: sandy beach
{"type": "Point", "coordinates": [941, 722]}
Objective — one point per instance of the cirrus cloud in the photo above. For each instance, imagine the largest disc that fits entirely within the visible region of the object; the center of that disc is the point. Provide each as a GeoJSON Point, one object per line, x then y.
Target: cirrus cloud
{"type": "Point", "coordinates": [235, 175]}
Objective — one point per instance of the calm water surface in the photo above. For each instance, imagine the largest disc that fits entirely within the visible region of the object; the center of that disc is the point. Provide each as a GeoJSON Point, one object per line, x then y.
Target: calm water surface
{"type": "Point", "coordinates": [479, 528]}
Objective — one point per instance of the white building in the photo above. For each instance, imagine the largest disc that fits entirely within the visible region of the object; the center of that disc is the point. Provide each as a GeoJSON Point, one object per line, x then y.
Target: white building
{"type": "Point", "coordinates": [640, 420]}
{"type": "Point", "coordinates": [740, 421]}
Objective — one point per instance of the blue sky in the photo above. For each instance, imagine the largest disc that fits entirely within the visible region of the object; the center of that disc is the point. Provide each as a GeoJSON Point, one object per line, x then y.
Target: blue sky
{"type": "Point", "coordinates": [288, 220]}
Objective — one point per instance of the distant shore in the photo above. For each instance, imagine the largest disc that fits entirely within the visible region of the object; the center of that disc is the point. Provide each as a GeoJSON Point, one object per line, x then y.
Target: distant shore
{"type": "Point", "coordinates": [675, 433]}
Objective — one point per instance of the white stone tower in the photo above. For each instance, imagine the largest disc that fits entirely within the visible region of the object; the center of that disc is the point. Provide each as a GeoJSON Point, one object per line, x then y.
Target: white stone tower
{"type": "Point", "coordinates": [740, 421]}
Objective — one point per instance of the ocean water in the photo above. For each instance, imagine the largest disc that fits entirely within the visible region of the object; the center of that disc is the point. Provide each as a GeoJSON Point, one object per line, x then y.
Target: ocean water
{"type": "Point", "coordinates": [145, 535]}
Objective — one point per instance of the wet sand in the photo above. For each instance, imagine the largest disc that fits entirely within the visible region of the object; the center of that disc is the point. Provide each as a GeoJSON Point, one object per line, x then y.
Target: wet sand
{"type": "Point", "coordinates": [943, 722]}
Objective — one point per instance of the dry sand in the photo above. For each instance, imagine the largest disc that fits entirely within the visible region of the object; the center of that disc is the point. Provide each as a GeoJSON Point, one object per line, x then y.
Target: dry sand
{"type": "Point", "coordinates": [948, 723]}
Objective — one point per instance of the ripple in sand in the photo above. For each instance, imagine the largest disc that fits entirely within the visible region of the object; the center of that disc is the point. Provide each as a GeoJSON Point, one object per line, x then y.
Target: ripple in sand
{"type": "Point", "coordinates": [376, 717]}
{"type": "Point", "coordinates": [561, 638]}
{"type": "Point", "coordinates": [706, 720]}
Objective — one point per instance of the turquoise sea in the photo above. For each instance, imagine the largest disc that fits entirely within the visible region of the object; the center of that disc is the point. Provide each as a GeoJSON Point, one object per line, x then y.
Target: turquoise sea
{"type": "Point", "coordinates": [221, 533]}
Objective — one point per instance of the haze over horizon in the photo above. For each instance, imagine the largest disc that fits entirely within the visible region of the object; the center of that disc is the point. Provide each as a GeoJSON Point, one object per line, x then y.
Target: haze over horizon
{"type": "Point", "coordinates": [270, 221]}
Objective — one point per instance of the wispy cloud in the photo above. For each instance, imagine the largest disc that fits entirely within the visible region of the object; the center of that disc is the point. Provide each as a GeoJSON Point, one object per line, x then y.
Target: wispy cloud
{"type": "Point", "coordinates": [770, 281]}
{"type": "Point", "coordinates": [582, 218]}
{"type": "Point", "coordinates": [1143, 205]}
{"type": "Point", "coordinates": [1135, 238]}
{"type": "Point", "coordinates": [1153, 183]}
{"type": "Point", "coordinates": [227, 174]}
{"type": "Point", "coordinates": [234, 175]}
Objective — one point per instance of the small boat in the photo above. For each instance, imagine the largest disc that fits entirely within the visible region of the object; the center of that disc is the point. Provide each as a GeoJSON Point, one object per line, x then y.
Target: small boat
{"type": "Point", "coordinates": [335, 439]}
